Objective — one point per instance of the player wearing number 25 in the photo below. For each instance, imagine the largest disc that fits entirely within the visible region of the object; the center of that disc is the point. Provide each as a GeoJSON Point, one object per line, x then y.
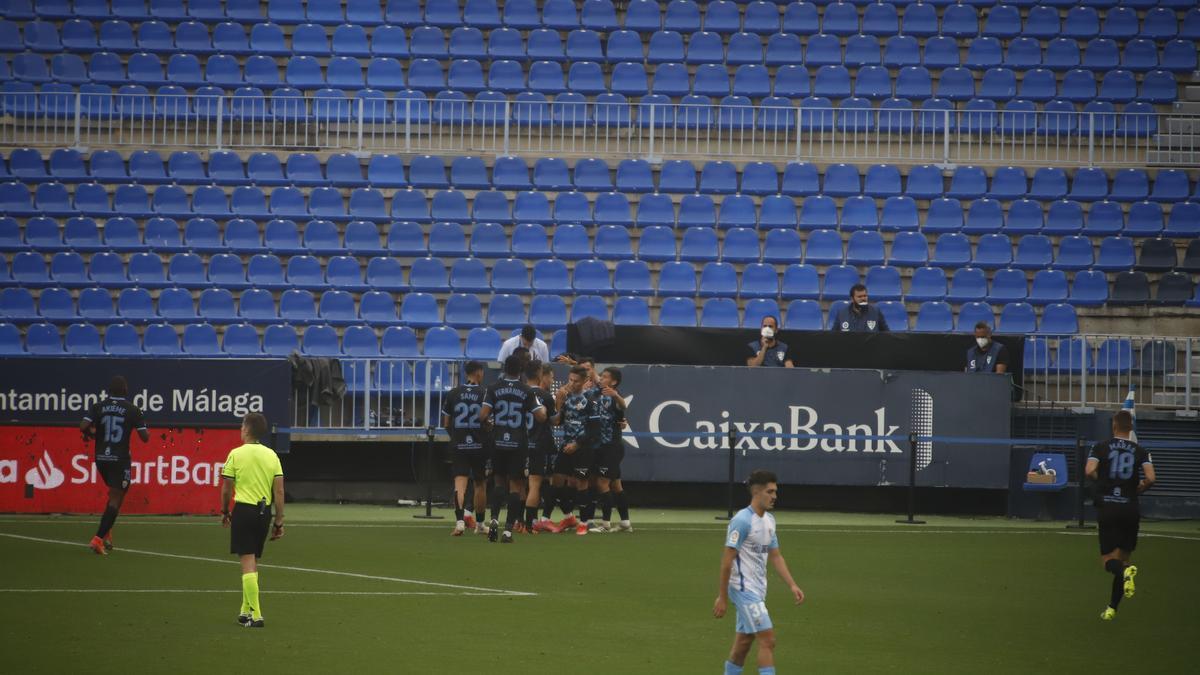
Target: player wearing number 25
{"type": "Point", "coordinates": [111, 422]}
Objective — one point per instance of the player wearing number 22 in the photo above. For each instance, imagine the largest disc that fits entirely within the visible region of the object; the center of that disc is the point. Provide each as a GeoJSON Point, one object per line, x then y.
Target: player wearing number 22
{"type": "Point", "coordinates": [111, 422]}
{"type": "Point", "coordinates": [750, 544]}
{"type": "Point", "coordinates": [1113, 465]}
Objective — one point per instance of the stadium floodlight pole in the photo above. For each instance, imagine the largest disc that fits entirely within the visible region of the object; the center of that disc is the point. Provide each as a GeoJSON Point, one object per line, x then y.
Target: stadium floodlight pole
{"type": "Point", "coordinates": [428, 515]}
{"type": "Point", "coordinates": [1081, 460]}
{"type": "Point", "coordinates": [732, 477]}
{"type": "Point", "coordinates": [912, 483]}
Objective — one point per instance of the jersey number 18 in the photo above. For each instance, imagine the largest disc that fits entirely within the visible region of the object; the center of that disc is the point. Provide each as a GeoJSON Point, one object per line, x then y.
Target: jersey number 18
{"type": "Point", "coordinates": [1120, 465]}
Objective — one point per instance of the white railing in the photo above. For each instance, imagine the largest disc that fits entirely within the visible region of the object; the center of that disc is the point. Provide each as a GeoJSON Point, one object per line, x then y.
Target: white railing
{"type": "Point", "coordinates": [1099, 370]}
{"type": "Point", "coordinates": [406, 394]}
{"type": "Point", "coordinates": [578, 127]}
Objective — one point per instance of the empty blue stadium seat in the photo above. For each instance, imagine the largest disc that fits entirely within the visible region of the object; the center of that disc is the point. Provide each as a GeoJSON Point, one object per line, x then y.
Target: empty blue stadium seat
{"type": "Point", "coordinates": [934, 317]}
{"type": "Point", "coordinates": [548, 312]}
{"type": "Point", "coordinates": [677, 311]}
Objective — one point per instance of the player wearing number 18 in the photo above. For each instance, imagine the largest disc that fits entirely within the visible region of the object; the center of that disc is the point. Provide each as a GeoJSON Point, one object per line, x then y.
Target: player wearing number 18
{"type": "Point", "coordinates": [111, 422]}
{"type": "Point", "coordinates": [1113, 465]}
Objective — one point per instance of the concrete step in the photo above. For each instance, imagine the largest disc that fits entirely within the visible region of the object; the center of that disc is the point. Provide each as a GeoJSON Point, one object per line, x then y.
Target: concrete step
{"type": "Point", "coordinates": [1191, 92]}
{"type": "Point", "coordinates": [1180, 380]}
{"type": "Point", "coordinates": [1186, 107]}
{"type": "Point", "coordinates": [1171, 400]}
{"type": "Point", "coordinates": [1173, 157]}
{"type": "Point", "coordinates": [1180, 125]}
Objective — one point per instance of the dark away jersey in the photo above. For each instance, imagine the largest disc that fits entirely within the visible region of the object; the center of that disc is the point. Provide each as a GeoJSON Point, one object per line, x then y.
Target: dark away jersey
{"type": "Point", "coordinates": [115, 420]}
{"type": "Point", "coordinates": [541, 435]}
{"type": "Point", "coordinates": [462, 406]}
{"type": "Point", "coordinates": [1119, 470]}
{"type": "Point", "coordinates": [510, 401]}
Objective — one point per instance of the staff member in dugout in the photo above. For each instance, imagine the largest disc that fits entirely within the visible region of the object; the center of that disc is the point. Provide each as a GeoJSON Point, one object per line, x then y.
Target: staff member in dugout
{"type": "Point", "coordinates": [986, 355]}
{"type": "Point", "coordinates": [766, 350]}
{"type": "Point", "coordinates": [860, 316]}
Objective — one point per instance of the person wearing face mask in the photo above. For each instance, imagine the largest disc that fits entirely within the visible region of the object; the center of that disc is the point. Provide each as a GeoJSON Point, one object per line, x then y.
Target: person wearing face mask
{"type": "Point", "coordinates": [860, 316]}
{"type": "Point", "coordinates": [766, 350]}
{"type": "Point", "coordinates": [986, 355]}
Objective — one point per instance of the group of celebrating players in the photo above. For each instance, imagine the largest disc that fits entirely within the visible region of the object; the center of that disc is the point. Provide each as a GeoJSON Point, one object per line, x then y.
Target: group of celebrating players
{"type": "Point", "coordinates": [502, 438]}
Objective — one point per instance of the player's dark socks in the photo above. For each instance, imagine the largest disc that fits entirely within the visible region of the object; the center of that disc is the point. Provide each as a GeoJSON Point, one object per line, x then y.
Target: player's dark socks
{"type": "Point", "coordinates": [495, 498]}
{"type": "Point", "coordinates": [1118, 591]}
{"type": "Point", "coordinates": [621, 504]}
{"type": "Point", "coordinates": [566, 500]}
{"type": "Point", "coordinates": [606, 506]}
{"type": "Point", "coordinates": [530, 515]}
{"type": "Point", "coordinates": [459, 511]}
{"type": "Point", "coordinates": [515, 507]}
{"type": "Point", "coordinates": [106, 521]}
{"type": "Point", "coordinates": [548, 499]}
{"type": "Point", "coordinates": [585, 505]}
{"type": "Point", "coordinates": [1115, 567]}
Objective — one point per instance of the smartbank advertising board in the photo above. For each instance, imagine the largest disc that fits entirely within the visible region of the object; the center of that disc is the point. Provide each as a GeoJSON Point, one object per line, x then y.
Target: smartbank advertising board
{"type": "Point", "coordinates": [666, 403]}
{"type": "Point", "coordinates": [193, 409]}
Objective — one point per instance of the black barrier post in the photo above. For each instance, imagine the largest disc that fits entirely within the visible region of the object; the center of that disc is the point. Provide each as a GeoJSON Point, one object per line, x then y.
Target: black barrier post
{"type": "Point", "coordinates": [429, 433]}
{"type": "Point", "coordinates": [912, 482]}
{"type": "Point", "coordinates": [1081, 462]}
{"type": "Point", "coordinates": [732, 478]}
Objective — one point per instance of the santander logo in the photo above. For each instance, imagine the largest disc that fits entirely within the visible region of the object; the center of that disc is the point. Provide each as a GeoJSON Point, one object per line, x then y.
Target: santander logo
{"type": "Point", "coordinates": [45, 476]}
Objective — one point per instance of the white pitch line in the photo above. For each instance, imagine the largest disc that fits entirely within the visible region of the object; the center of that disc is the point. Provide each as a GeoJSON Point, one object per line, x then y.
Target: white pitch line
{"type": "Point", "coordinates": [292, 568]}
{"type": "Point", "coordinates": [217, 590]}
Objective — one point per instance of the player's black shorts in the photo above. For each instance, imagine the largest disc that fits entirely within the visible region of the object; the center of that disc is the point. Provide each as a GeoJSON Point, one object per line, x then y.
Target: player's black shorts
{"type": "Point", "coordinates": [248, 529]}
{"type": "Point", "coordinates": [1118, 525]}
{"type": "Point", "coordinates": [468, 463]}
{"type": "Point", "coordinates": [507, 463]}
{"type": "Point", "coordinates": [582, 461]}
{"type": "Point", "coordinates": [532, 462]}
{"type": "Point", "coordinates": [608, 460]}
{"type": "Point", "coordinates": [115, 474]}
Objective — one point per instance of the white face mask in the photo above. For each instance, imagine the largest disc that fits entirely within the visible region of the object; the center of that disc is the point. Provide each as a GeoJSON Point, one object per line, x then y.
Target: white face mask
{"type": "Point", "coordinates": [982, 342]}
{"type": "Point", "coordinates": [767, 332]}
{"type": "Point", "coordinates": [862, 305]}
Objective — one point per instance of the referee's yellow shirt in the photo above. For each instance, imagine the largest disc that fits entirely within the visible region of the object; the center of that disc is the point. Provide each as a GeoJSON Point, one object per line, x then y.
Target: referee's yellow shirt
{"type": "Point", "coordinates": [252, 468]}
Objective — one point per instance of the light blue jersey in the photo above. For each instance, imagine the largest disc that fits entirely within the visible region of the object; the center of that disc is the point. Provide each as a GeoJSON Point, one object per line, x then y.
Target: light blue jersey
{"type": "Point", "coordinates": [753, 536]}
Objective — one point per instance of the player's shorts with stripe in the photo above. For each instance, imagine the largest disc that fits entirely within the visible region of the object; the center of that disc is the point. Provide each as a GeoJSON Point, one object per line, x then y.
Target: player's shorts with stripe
{"type": "Point", "coordinates": [608, 460]}
{"type": "Point", "coordinates": [115, 474]}
{"type": "Point", "coordinates": [249, 525]}
{"type": "Point", "coordinates": [752, 616]}
{"type": "Point", "coordinates": [468, 463]}
{"type": "Point", "coordinates": [1118, 525]}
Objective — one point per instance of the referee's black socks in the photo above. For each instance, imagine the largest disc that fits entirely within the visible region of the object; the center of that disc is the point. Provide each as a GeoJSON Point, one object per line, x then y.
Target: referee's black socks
{"type": "Point", "coordinates": [107, 521]}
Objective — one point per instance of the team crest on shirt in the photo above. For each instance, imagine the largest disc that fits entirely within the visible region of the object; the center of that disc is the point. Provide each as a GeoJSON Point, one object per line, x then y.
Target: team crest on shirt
{"type": "Point", "coordinates": [734, 537]}
{"type": "Point", "coordinates": [470, 439]}
{"type": "Point", "coordinates": [507, 436]}
{"type": "Point", "coordinates": [870, 325]}
{"type": "Point", "coordinates": [845, 325]}
{"type": "Point", "coordinates": [779, 356]}
{"type": "Point", "coordinates": [989, 360]}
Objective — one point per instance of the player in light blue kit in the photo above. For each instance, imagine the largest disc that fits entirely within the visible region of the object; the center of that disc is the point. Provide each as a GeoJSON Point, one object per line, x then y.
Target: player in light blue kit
{"type": "Point", "coordinates": [749, 544]}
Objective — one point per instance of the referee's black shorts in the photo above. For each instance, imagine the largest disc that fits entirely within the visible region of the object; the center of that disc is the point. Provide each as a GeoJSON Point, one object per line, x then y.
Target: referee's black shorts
{"type": "Point", "coordinates": [1118, 525]}
{"type": "Point", "coordinates": [248, 528]}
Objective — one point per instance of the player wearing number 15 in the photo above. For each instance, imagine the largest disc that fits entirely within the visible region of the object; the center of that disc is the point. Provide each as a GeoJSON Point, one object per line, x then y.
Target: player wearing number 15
{"type": "Point", "coordinates": [1113, 465]}
{"type": "Point", "coordinates": [111, 422]}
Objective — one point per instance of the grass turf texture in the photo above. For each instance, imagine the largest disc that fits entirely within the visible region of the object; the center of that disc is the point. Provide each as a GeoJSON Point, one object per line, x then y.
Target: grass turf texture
{"type": "Point", "coordinates": [956, 595]}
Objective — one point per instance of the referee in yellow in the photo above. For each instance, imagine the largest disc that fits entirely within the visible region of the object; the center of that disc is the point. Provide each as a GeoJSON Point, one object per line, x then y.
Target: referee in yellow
{"type": "Point", "coordinates": [254, 482]}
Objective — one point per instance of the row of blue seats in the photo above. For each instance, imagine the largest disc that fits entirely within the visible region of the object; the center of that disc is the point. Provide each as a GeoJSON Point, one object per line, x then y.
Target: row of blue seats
{"type": "Point", "coordinates": [1073, 355]}
{"type": "Point", "coordinates": [200, 339]}
{"type": "Point", "coordinates": [843, 18]}
{"type": "Point", "coordinates": [786, 48]}
{"type": "Point", "coordinates": [899, 213]}
{"type": "Point", "coordinates": [630, 277]}
{"type": "Point", "coordinates": [938, 317]}
{"type": "Point", "coordinates": [465, 310]}
{"type": "Point", "coordinates": [510, 173]}
{"type": "Point", "coordinates": [573, 242]}
{"type": "Point", "coordinates": [670, 77]}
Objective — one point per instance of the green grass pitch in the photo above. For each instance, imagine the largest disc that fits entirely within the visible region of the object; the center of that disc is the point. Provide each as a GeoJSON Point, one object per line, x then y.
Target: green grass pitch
{"type": "Point", "coordinates": [953, 596]}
